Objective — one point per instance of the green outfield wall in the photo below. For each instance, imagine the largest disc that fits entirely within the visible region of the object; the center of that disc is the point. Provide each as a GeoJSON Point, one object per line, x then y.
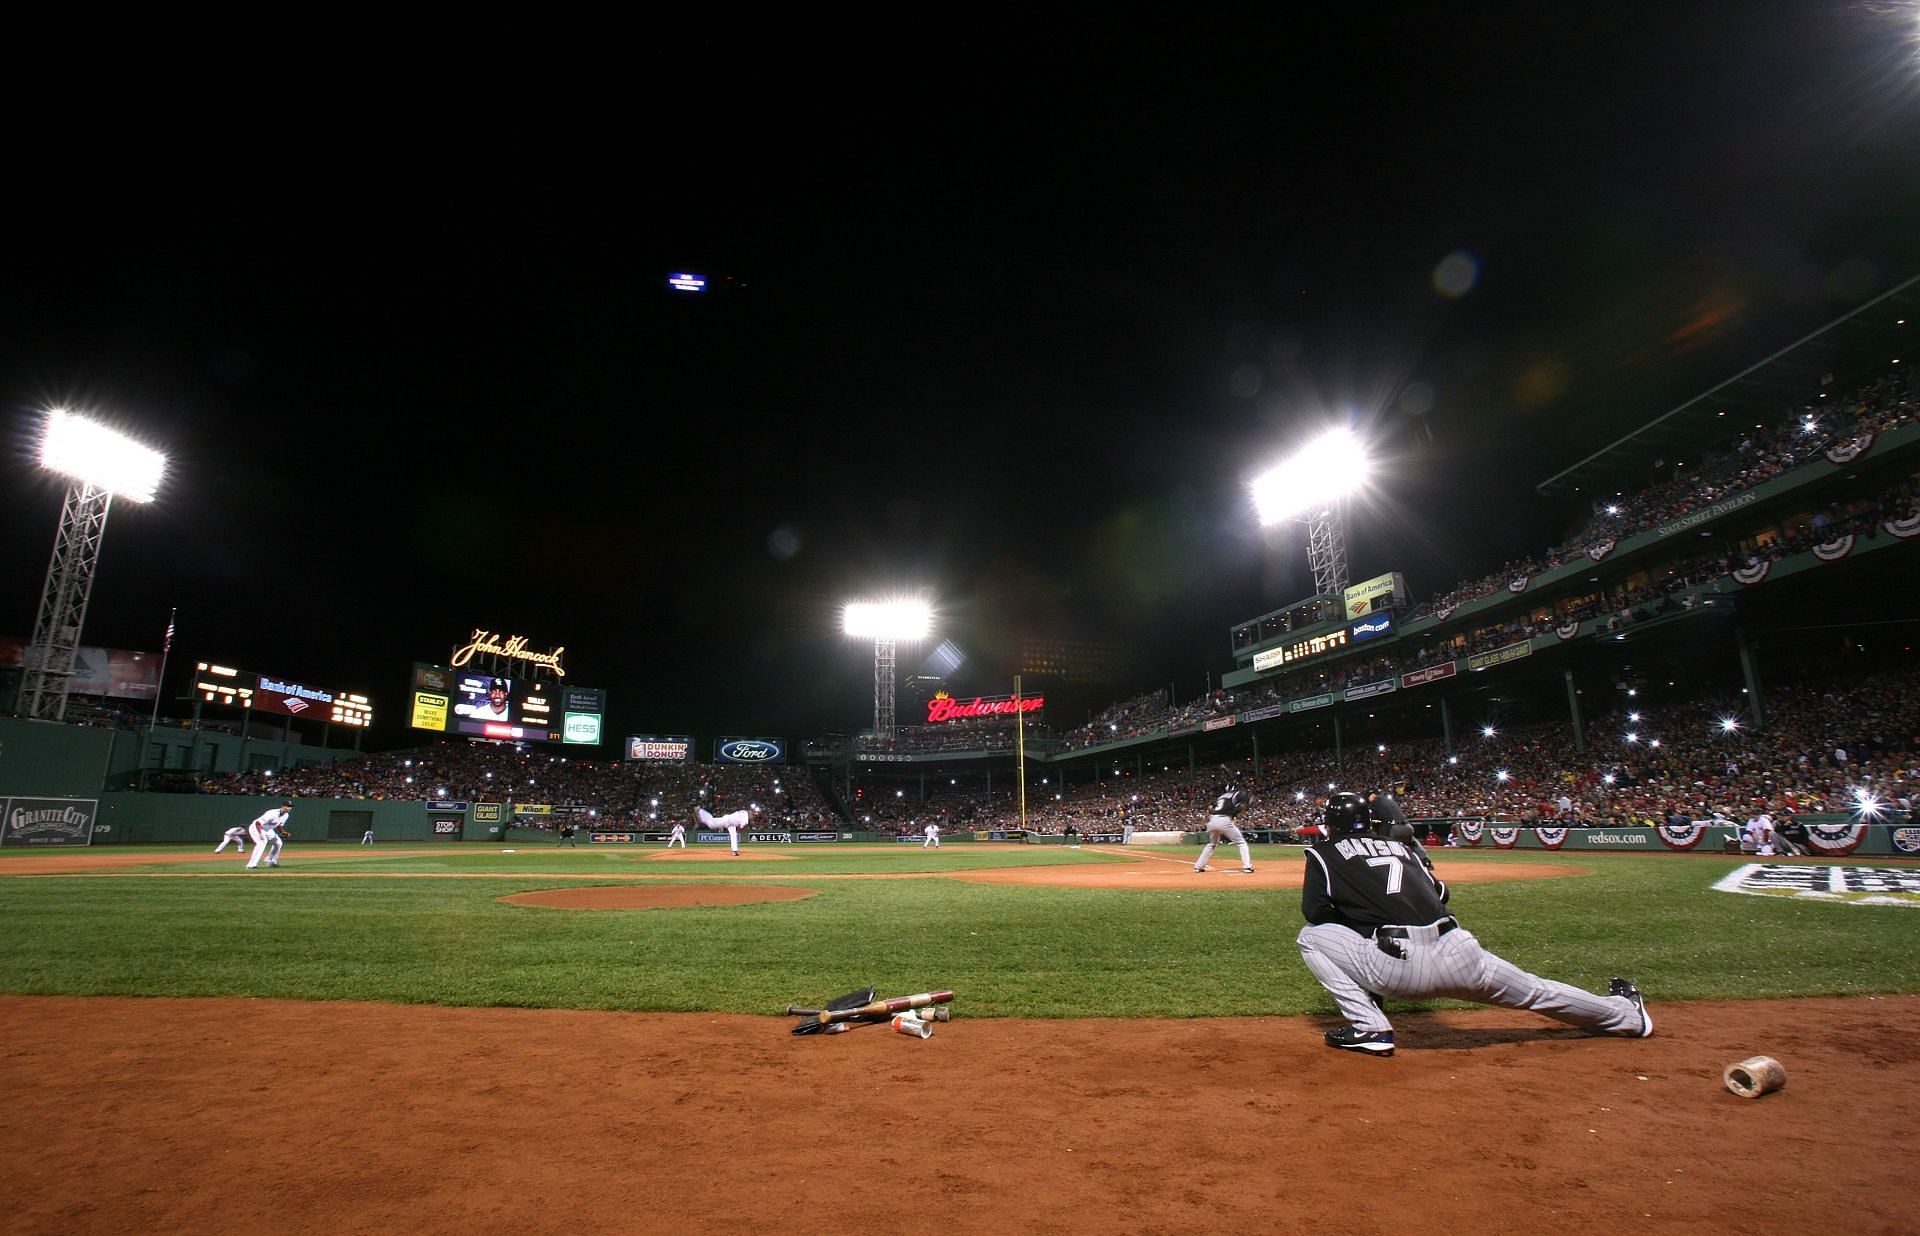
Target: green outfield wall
{"type": "Point", "coordinates": [53, 760]}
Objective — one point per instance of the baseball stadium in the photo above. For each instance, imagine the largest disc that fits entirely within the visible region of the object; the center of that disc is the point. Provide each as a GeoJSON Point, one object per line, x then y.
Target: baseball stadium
{"type": "Point", "coordinates": [484, 989]}
{"type": "Point", "coordinates": [1254, 619]}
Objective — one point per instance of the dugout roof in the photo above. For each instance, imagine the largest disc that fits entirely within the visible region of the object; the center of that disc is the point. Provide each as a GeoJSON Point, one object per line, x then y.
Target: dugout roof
{"type": "Point", "coordinates": [1840, 357]}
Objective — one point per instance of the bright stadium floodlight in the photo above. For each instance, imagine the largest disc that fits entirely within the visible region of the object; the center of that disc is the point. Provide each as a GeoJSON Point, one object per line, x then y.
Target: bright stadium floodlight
{"type": "Point", "coordinates": [100, 465]}
{"type": "Point", "coordinates": [91, 453]}
{"type": "Point", "coordinates": [886, 623]}
{"type": "Point", "coordinates": [1312, 486]}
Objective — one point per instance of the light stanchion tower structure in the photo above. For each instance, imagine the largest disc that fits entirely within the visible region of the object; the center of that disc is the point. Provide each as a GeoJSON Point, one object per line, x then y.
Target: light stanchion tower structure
{"type": "Point", "coordinates": [101, 464]}
{"type": "Point", "coordinates": [1312, 487]}
{"type": "Point", "coordinates": [887, 624]}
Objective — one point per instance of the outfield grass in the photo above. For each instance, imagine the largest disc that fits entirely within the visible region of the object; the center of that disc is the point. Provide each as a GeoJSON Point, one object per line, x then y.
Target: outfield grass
{"type": "Point", "coordinates": [1008, 951]}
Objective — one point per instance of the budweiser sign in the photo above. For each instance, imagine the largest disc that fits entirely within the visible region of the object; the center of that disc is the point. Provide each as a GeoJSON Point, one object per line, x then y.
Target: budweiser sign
{"type": "Point", "coordinates": [944, 707]}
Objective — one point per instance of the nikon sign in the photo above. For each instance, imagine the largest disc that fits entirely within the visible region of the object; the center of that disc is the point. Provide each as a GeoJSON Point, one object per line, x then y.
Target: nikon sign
{"type": "Point", "coordinates": [47, 821]}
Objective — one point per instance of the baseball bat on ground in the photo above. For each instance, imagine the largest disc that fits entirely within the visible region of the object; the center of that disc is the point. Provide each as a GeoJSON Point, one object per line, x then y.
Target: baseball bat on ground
{"type": "Point", "coordinates": [879, 1008]}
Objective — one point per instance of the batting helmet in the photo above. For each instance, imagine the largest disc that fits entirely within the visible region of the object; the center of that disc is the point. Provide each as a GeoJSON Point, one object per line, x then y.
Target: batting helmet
{"type": "Point", "coordinates": [1347, 813]}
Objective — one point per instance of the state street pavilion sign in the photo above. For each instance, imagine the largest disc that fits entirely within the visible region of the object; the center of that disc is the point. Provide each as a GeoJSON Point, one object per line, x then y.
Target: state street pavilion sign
{"type": "Point", "coordinates": [512, 647]}
{"type": "Point", "coordinates": [943, 707]}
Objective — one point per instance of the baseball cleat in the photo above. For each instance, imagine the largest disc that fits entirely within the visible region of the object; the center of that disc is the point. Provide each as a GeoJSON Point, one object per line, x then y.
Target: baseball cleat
{"type": "Point", "coordinates": [1247, 870]}
{"type": "Point", "coordinates": [1373, 1042]}
{"type": "Point", "coordinates": [1621, 987]}
{"type": "Point", "coordinates": [1198, 870]}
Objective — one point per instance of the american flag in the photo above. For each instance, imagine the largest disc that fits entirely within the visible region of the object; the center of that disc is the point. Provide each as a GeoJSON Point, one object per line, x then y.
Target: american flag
{"type": "Point", "coordinates": [166, 646]}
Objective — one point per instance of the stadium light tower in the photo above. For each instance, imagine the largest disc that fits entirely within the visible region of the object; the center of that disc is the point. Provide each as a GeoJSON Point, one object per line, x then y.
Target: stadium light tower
{"type": "Point", "coordinates": [101, 464]}
{"type": "Point", "coordinates": [1312, 486]}
{"type": "Point", "coordinates": [886, 623]}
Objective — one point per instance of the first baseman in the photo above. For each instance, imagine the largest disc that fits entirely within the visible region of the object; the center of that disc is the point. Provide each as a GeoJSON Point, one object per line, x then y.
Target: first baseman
{"type": "Point", "coordinates": [679, 837]}
{"type": "Point", "coordinates": [933, 837]}
{"type": "Point", "coordinates": [1377, 925]}
{"type": "Point", "coordinates": [266, 831]}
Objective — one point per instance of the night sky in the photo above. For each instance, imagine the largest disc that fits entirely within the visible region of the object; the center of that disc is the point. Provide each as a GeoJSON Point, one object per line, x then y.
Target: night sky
{"type": "Point", "coordinates": [1002, 314]}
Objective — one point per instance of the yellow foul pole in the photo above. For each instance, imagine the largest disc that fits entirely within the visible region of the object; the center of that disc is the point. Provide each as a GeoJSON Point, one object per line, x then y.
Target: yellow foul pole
{"type": "Point", "coordinates": [1020, 748]}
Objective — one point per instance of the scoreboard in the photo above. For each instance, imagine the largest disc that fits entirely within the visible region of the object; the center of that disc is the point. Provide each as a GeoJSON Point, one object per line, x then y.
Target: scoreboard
{"type": "Point", "coordinates": [489, 705]}
{"type": "Point", "coordinates": [223, 684]}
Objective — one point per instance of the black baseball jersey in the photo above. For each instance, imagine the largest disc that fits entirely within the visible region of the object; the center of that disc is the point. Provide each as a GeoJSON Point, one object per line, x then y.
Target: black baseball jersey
{"type": "Point", "coordinates": [1231, 803]}
{"type": "Point", "coordinates": [1364, 882]}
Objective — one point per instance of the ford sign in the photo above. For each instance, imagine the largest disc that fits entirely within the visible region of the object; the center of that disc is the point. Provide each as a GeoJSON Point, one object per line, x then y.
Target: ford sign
{"type": "Point", "coordinates": [750, 751]}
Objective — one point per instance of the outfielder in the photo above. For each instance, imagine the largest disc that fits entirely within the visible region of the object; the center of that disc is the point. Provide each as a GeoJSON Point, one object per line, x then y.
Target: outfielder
{"type": "Point", "coordinates": [732, 821]}
{"type": "Point", "coordinates": [1220, 826]}
{"type": "Point", "coordinates": [679, 837]}
{"type": "Point", "coordinates": [266, 833]}
{"type": "Point", "coordinates": [1377, 925]}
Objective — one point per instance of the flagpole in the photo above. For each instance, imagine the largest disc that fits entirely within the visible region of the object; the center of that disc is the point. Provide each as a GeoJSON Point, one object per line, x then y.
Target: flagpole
{"type": "Point", "coordinates": [166, 650]}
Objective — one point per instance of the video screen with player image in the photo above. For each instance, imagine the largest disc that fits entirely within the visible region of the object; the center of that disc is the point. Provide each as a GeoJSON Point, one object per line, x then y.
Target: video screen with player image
{"type": "Point", "coordinates": [484, 704]}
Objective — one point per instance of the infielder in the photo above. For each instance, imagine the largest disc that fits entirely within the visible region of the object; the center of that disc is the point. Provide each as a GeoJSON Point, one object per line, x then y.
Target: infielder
{"type": "Point", "coordinates": [732, 821]}
{"type": "Point", "coordinates": [933, 837]}
{"type": "Point", "coordinates": [679, 837]}
{"type": "Point", "coordinates": [1220, 826]}
{"type": "Point", "coordinates": [237, 835]}
{"type": "Point", "coordinates": [266, 831]}
{"type": "Point", "coordinates": [1377, 925]}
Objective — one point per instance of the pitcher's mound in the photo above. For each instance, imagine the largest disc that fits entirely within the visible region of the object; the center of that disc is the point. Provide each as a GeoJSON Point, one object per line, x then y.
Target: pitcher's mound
{"type": "Point", "coordinates": [655, 896]}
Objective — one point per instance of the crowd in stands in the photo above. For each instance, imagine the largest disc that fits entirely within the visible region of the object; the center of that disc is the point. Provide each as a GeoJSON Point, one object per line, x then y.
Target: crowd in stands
{"type": "Point", "coordinates": [1752, 460]}
{"type": "Point", "coordinates": [1828, 746]}
{"type": "Point", "coordinates": [981, 734]}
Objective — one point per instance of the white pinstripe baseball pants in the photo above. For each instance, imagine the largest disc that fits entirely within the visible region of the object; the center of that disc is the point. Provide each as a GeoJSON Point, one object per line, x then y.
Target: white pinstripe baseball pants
{"type": "Point", "coordinates": [1453, 967]}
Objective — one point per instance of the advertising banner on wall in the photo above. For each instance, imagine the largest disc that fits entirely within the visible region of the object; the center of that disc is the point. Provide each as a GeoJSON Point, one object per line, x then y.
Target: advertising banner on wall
{"type": "Point", "coordinates": [1372, 627]}
{"type": "Point", "coordinates": [750, 751]}
{"type": "Point", "coordinates": [943, 708]}
{"type": "Point", "coordinates": [47, 821]}
{"type": "Point", "coordinates": [1376, 594]}
{"type": "Point", "coordinates": [660, 748]}
{"type": "Point", "coordinates": [1499, 656]}
{"type": "Point", "coordinates": [1432, 673]}
{"type": "Point", "coordinates": [116, 673]}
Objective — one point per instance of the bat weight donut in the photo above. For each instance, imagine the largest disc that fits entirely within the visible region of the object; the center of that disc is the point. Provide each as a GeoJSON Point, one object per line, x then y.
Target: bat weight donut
{"type": "Point", "coordinates": [1755, 1076]}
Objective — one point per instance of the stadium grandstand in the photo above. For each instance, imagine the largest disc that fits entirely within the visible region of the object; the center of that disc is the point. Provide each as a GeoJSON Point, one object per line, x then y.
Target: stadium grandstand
{"type": "Point", "coordinates": [1723, 631]}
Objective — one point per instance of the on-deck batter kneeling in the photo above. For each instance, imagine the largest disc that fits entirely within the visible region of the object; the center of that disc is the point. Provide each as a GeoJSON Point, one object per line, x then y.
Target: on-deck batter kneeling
{"type": "Point", "coordinates": [1378, 925]}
